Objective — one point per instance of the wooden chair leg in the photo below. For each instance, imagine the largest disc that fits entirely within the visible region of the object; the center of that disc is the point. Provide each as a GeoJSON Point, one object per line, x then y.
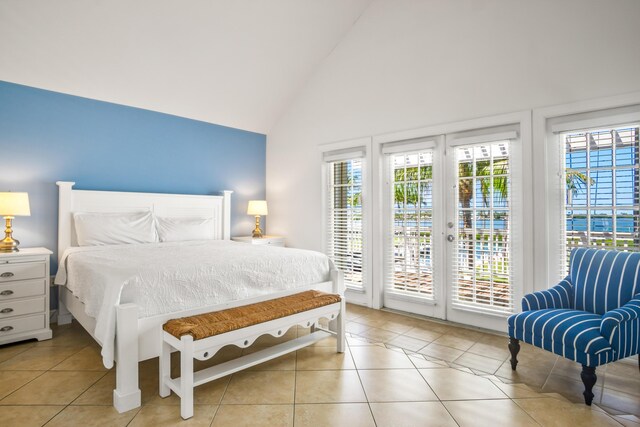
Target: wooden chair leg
{"type": "Point", "coordinates": [589, 379]}
{"type": "Point", "coordinates": [514, 348]}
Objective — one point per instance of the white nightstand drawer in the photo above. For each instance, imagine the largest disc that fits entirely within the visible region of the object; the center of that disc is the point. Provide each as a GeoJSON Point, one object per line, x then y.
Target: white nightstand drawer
{"type": "Point", "coordinates": [17, 271]}
{"type": "Point", "coordinates": [22, 307]}
{"type": "Point", "coordinates": [29, 288]}
{"type": "Point", "coordinates": [265, 241]}
{"type": "Point", "coordinates": [16, 325]}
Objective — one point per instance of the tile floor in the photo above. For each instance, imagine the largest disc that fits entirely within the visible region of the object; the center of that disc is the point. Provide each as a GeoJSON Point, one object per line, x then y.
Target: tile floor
{"type": "Point", "coordinates": [397, 371]}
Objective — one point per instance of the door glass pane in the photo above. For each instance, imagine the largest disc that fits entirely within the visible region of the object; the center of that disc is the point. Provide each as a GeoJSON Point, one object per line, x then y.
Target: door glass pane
{"type": "Point", "coordinates": [601, 202]}
{"type": "Point", "coordinates": [410, 249]}
{"type": "Point", "coordinates": [482, 267]}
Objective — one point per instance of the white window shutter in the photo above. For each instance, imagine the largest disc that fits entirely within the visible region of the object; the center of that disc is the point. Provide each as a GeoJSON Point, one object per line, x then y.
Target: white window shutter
{"type": "Point", "coordinates": [346, 219]}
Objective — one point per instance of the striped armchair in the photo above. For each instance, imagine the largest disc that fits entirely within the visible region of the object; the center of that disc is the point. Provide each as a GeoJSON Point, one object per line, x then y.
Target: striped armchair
{"type": "Point", "coordinates": [591, 317]}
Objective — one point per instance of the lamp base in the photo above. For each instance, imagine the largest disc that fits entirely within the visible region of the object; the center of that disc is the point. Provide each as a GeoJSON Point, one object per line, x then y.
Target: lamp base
{"type": "Point", "coordinates": [257, 232]}
{"type": "Point", "coordinates": [9, 245]}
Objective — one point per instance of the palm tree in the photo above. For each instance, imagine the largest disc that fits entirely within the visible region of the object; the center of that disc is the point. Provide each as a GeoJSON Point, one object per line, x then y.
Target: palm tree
{"type": "Point", "coordinates": [576, 181]}
{"type": "Point", "coordinates": [483, 168]}
{"type": "Point", "coordinates": [500, 185]}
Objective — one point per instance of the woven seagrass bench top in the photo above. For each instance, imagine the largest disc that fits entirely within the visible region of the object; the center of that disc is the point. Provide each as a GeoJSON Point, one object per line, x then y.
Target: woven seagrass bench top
{"type": "Point", "coordinates": [218, 322]}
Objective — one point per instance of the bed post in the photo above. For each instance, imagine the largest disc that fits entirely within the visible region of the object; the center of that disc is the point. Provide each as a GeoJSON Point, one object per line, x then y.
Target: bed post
{"type": "Point", "coordinates": [65, 203]}
{"type": "Point", "coordinates": [226, 215]}
{"type": "Point", "coordinates": [126, 395]}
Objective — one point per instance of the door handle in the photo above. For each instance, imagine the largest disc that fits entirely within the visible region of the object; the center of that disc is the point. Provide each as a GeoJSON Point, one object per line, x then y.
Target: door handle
{"type": "Point", "coordinates": [6, 310]}
{"type": "Point", "coordinates": [6, 328]}
{"type": "Point", "coordinates": [450, 238]}
{"type": "Point", "coordinates": [7, 274]}
{"type": "Point", "coordinates": [6, 293]}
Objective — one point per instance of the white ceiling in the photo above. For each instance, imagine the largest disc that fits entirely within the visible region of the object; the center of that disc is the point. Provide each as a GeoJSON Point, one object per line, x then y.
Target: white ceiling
{"type": "Point", "coordinates": [231, 62]}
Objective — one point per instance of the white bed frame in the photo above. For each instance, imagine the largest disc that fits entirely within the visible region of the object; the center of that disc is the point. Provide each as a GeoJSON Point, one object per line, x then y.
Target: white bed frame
{"type": "Point", "coordinates": [141, 339]}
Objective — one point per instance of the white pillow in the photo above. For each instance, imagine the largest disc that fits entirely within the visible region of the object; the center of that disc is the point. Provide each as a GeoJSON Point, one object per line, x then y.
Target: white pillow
{"type": "Point", "coordinates": [177, 229]}
{"type": "Point", "coordinates": [94, 229]}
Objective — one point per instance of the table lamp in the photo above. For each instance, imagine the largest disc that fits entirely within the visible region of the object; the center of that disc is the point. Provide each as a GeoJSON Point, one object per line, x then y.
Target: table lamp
{"type": "Point", "coordinates": [257, 208]}
{"type": "Point", "coordinates": [12, 205]}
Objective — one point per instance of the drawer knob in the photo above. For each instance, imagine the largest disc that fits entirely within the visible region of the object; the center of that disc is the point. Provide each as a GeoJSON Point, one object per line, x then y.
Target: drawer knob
{"type": "Point", "coordinates": [6, 329]}
{"type": "Point", "coordinates": [6, 293]}
{"type": "Point", "coordinates": [6, 310]}
{"type": "Point", "coordinates": [7, 274]}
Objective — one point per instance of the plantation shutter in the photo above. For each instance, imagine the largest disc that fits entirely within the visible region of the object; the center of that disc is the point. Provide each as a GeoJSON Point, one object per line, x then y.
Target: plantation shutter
{"type": "Point", "coordinates": [598, 184]}
{"type": "Point", "coordinates": [346, 243]}
{"type": "Point", "coordinates": [408, 232]}
{"type": "Point", "coordinates": [486, 237]}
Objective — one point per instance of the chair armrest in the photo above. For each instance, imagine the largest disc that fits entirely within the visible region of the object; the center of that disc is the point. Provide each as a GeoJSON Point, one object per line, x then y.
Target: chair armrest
{"type": "Point", "coordinates": [559, 296]}
{"type": "Point", "coordinates": [612, 319]}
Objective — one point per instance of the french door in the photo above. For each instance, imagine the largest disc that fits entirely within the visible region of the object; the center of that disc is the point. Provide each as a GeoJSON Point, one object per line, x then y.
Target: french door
{"type": "Point", "coordinates": [413, 244]}
{"type": "Point", "coordinates": [449, 235]}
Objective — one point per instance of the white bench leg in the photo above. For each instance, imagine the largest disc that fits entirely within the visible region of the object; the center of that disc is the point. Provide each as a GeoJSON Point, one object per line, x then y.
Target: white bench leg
{"type": "Point", "coordinates": [340, 327]}
{"type": "Point", "coordinates": [127, 395]}
{"type": "Point", "coordinates": [165, 369]}
{"type": "Point", "coordinates": [186, 377]}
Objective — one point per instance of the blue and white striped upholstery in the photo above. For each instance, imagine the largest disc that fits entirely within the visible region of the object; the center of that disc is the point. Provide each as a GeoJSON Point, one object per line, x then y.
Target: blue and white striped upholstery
{"type": "Point", "coordinates": [570, 333]}
{"type": "Point", "coordinates": [604, 280]}
{"type": "Point", "coordinates": [592, 316]}
{"type": "Point", "coordinates": [560, 296]}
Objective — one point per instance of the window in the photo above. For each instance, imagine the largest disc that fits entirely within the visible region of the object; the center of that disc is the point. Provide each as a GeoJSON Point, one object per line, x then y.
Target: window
{"type": "Point", "coordinates": [346, 237]}
{"type": "Point", "coordinates": [409, 257]}
{"type": "Point", "coordinates": [483, 263]}
{"type": "Point", "coordinates": [602, 199]}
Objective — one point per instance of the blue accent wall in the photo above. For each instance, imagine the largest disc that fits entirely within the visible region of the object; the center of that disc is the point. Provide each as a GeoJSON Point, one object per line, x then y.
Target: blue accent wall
{"type": "Point", "coordinates": [48, 136]}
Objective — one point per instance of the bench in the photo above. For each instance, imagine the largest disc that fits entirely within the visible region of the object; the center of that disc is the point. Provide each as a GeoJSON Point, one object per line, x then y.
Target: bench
{"type": "Point", "coordinates": [202, 336]}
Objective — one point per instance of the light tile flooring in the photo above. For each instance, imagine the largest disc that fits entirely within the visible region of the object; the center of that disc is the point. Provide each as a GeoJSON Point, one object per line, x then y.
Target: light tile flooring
{"type": "Point", "coordinates": [397, 371]}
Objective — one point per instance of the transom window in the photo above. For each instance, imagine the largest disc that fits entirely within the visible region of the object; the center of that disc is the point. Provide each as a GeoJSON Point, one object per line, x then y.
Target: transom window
{"type": "Point", "coordinates": [602, 203]}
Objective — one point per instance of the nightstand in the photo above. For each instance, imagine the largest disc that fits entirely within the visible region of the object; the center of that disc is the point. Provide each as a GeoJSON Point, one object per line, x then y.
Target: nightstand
{"type": "Point", "coordinates": [24, 295]}
{"type": "Point", "coordinates": [266, 240]}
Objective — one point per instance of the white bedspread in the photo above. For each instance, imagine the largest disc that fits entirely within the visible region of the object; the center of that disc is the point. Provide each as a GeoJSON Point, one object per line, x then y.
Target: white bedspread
{"type": "Point", "coordinates": [175, 276]}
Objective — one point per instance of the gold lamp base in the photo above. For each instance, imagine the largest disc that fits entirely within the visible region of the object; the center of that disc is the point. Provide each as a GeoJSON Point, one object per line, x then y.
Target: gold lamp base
{"type": "Point", "coordinates": [257, 232]}
{"type": "Point", "coordinates": [9, 244]}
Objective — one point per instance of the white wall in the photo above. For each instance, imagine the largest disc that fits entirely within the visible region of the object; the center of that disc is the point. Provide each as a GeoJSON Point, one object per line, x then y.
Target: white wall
{"type": "Point", "coordinates": [234, 63]}
{"type": "Point", "coordinates": [415, 63]}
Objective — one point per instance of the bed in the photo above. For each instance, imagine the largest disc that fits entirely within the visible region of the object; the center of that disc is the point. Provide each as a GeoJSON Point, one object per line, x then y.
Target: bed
{"type": "Point", "coordinates": [123, 294]}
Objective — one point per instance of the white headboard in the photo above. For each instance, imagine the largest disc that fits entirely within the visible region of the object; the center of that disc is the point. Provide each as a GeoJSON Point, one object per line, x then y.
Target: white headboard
{"type": "Point", "coordinates": [70, 201]}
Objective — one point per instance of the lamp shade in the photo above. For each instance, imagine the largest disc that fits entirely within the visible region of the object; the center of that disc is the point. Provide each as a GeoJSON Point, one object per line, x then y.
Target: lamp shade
{"type": "Point", "coordinates": [257, 207]}
{"type": "Point", "coordinates": [14, 204]}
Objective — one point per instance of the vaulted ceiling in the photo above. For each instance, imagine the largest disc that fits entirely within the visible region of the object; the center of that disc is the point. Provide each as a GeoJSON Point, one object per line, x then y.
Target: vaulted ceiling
{"type": "Point", "coordinates": [231, 62]}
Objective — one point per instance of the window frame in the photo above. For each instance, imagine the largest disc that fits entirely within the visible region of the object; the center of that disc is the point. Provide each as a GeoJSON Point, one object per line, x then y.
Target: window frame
{"type": "Point", "coordinates": [359, 296]}
{"type": "Point", "coordinates": [548, 123]}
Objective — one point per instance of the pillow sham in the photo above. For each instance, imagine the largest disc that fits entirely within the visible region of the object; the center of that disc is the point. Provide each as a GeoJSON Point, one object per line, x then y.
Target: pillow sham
{"type": "Point", "coordinates": [178, 229]}
{"type": "Point", "coordinates": [95, 229]}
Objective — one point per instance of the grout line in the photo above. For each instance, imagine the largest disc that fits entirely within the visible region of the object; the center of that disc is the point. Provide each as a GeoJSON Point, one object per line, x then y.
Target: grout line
{"type": "Point", "coordinates": [212, 418]}
{"type": "Point", "coordinates": [549, 374]}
